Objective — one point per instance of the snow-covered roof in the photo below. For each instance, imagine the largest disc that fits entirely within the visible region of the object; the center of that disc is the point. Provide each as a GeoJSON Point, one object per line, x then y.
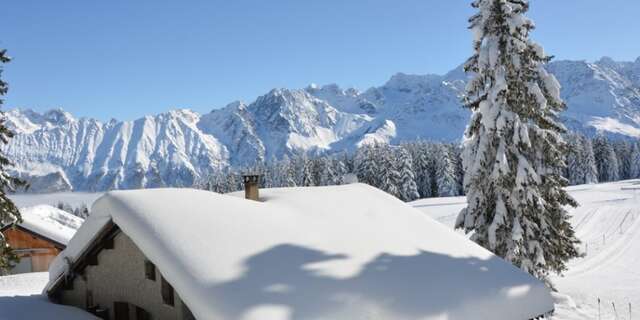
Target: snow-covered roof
{"type": "Point", "coordinates": [342, 252]}
{"type": "Point", "coordinates": [50, 222]}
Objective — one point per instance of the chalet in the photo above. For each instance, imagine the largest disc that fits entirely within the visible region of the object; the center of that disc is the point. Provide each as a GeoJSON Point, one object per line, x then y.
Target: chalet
{"type": "Point", "coordinates": [43, 234]}
{"type": "Point", "coordinates": [342, 252]}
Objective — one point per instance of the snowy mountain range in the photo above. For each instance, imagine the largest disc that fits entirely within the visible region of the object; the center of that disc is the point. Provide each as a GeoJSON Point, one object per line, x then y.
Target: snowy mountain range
{"type": "Point", "coordinates": [56, 151]}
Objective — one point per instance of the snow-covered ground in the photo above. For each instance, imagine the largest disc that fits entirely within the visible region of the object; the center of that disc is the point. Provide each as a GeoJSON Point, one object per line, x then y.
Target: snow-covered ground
{"type": "Point", "coordinates": [75, 199]}
{"type": "Point", "coordinates": [21, 299]}
{"type": "Point", "coordinates": [608, 224]}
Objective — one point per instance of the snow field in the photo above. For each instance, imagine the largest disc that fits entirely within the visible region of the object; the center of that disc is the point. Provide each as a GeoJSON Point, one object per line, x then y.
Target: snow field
{"type": "Point", "coordinates": [608, 224]}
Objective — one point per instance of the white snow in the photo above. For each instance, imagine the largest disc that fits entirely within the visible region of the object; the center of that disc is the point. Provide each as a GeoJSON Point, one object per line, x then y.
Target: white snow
{"type": "Point", "coordinates": [20, 299]}
{"type": "Point", "coordinates": [607, 124]}
{"type": "Point", "coordinates": [608, 224]}
{"type": "Point", "coordinates": [174, 148]}
{"type": "Point", "coordinates": [75, 199]}
{"type": "Point", "coordinates": [50, 222]}
{"type": "Point", "coordinates": [344, 252]}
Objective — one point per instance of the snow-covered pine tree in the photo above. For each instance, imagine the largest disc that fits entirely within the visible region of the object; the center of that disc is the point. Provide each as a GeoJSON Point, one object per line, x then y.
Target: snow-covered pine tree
{"type": "Point", "coordinates": [288, 172]}
{"type": "Point", "coordinates": [366, 166]}
{"type": "Point", "coordinates": [308, 174]}
{"type": "Point", "coordinates": [622, 148]}
{"type": "Point", "coordinates": [408, 189]}
{"type": "Point", "coordinates": [328, 175]}
{"type": "Point", "coordinates": [514, 152]}
{"type": "Point", "coordinates": [634, 169]}
{"type": "Point", "coordinates": [420, 167]}
{"type": "Point", "coordinates": [606, 159]}
{"type": "Point", "coordinates": [589, 168]}
{"type": "Point", "coordinates": [390, 179]}
{"type": "Point", "coordinates": [232, 182]}
{"type": "Point", "coordinates": [340, 170]}
{"type": "Point", "coordinates": [457, 153]}
{"type": "Point", "coordinates": [577, 165]}
{"type": "Point", "coordinates": [9, 214]}
{"type": "Point", "coordinates": [445, 171]}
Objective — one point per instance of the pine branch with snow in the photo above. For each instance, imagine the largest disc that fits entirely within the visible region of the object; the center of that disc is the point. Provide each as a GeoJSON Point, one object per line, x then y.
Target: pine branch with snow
{"type": "Point", "coordinates": [9, 213]}
{"type": "Point", "coordinates": [514, 154]}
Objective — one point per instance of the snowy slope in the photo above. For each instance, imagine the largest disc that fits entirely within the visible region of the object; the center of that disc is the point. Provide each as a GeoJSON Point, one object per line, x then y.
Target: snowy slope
{"type": "Point", "coordinates": [342, 252]}
{"type": "Point", "coordinates": [57, 152]}
{"type": "Point", "coordinates": [608, 224]}
{"type": "Point", "coordinates": [75, 199]}
{"type": "Point", "coordinates": [86, 154]}
{"type": "Point", "coordinates": [21, 299]}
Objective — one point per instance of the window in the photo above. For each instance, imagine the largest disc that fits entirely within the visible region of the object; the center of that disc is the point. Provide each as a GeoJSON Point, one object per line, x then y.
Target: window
{"type": "Point", "coordinates": [149, 270]}
{"type": "Point", "coordinates": [142, 314]}
{"type": "Point", "coordinates": [167, 292]}
{"type": "Point", "coordinates": [121, 310]}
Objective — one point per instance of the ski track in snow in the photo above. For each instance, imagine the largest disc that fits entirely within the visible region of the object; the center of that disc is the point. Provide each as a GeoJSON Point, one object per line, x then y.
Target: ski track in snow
{"type": "Point", "coordinates": [608, 224]}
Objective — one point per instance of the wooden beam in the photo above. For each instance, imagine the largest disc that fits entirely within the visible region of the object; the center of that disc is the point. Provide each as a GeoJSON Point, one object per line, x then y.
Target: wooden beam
{"type": "Point", "coordinates": [110, 230]}
{"type": "Point", "coordinates": [68, 283]}
{"type": "Point", "coordinates": [92, 259]}
{"type": "Point", "coordinates": [108, 243]}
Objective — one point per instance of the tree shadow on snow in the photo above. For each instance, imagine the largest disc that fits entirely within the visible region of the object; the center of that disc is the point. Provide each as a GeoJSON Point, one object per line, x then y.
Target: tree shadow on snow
{"type": "Point", "coordinates": [408, 287]}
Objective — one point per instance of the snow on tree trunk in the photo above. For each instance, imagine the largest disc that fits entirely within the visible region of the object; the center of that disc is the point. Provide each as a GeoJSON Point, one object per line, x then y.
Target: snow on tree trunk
{"type": "Point", "coordinates": [514, 152]}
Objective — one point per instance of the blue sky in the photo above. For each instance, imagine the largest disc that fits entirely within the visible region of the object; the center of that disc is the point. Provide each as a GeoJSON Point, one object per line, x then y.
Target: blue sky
{"type": "Point", "coordinates": [124, 59]}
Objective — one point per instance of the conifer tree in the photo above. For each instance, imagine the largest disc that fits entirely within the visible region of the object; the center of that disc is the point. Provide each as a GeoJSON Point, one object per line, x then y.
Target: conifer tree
{"type": "Point", "coordinates": [9, 214]}
{"type": "Point", "coordinates": [446, 172]}
{"type": "Point", "coordinates": [390, 178]}
{"type": "Point", "coordinates": [573, 171]}
{"type": "Point", "coordinates": [606, 159]}
{"type": "Point", "coordinates": [308, 179]}
{"type": "Point", "coordinates": [289, 173]}
{"type": "Point", "coordinates": [622, 148]}
{"type": "Point", "coordinates": [634, 170]}
{"type": "Point", "coordinates": [340, 170]}
{"type": "Point", "coordinates": [514, 151]}
{"type": "Point", "coordinates": [366, 166]}
{"type": "Point", "coordinates": [421, 167]}
{"type": "Point", "coordinates": [408, 188]}
{"type": "Point", "coordinates": [590, 170]}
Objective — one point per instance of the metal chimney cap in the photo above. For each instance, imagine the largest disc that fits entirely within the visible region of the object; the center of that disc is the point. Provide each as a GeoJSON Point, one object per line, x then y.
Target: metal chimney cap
{"type": "Point", "coordinates": [251, 178]}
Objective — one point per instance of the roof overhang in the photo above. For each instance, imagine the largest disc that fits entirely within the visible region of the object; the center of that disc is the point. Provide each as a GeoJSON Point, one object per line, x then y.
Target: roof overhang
{"type": "Point", "coordinates": [55, 243]}
{"type": "Point", "coordinates": [102, 240]}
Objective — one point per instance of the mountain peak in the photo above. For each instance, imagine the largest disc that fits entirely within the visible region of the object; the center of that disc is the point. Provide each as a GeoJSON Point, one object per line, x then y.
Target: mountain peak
{"type": "Point", "coordinates": [406, 81]}
{"type": "Point", "coordinates": [58, 116]}
{"type": "Point", "coordinates": [176, 148]}
{"type": "Point", "coordinates": [607, 62]}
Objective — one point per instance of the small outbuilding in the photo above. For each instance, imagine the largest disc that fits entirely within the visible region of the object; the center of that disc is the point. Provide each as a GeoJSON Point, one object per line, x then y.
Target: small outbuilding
{"type": "Point", "coordinates": [42, 235]}
{"type": "Point", "coordinates": [341, 252]}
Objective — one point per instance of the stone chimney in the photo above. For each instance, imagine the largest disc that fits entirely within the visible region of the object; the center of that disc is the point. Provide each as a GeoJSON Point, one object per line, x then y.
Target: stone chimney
{"type": "Point", "coordinates": [251, 186]}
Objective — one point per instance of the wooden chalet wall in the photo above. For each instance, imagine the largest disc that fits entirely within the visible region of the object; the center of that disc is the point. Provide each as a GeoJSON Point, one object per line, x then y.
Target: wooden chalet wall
{"type": "Point", "coordinates": [28, 244]}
